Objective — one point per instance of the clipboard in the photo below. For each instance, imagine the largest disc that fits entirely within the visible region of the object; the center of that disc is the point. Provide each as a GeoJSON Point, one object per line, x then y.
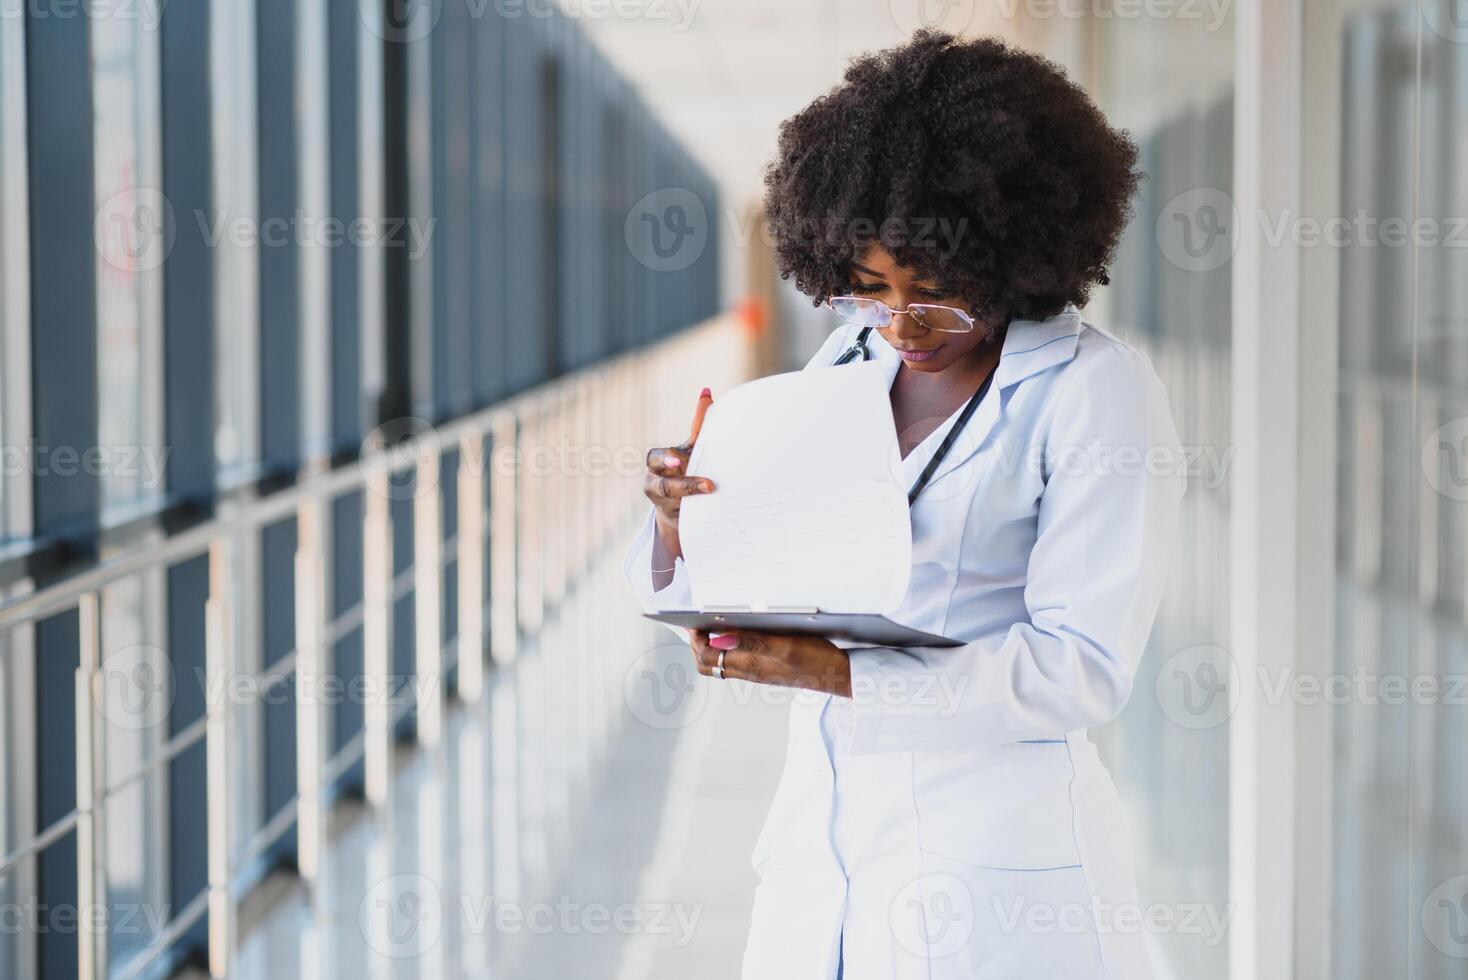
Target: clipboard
{"type": "Point", "coordinates": [871, 629]}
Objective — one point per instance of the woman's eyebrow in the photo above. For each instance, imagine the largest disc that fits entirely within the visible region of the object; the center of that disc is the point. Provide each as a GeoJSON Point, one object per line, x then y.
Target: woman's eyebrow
{"type": "Point", "coordinates": [871, 272]}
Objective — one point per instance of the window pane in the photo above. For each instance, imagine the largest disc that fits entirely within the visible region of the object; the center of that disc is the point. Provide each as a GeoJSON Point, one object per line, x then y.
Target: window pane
{"type": "Point", "coordinates": [1400, 793]}
{"type": "Point", "coordinates": [137, 689]}
{"type": "Point", "coordinates": [132, 237]}
{"type": "Point", "coordinates": [1169, 82]}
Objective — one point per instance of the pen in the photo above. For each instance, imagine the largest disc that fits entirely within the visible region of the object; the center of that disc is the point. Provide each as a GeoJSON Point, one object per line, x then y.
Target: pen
{"type": "Point", "coordinates": [705, 399]}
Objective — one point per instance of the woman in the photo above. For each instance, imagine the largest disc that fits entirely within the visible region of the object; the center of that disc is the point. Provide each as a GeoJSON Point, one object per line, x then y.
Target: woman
{"type": "Point", "coordinates": [942, 811]}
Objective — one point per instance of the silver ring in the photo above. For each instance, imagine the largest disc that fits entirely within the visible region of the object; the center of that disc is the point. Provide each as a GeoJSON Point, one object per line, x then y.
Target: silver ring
{"type": "Point", "coordinates": [719, 668]}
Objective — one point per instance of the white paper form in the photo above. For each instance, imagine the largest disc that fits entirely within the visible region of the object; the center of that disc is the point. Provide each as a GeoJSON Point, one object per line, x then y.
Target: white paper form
{"type": "Point", "coordinates": [806, 509]}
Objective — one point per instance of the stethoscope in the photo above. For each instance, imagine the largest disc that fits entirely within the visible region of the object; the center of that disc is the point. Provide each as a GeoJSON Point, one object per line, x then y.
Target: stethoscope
{"type": "Point", "coordinates": [859, 349]}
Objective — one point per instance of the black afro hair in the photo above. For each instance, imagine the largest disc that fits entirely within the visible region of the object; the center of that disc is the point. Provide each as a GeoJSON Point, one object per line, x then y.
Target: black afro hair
{"type": "Point", "coordinates": [981, 166]}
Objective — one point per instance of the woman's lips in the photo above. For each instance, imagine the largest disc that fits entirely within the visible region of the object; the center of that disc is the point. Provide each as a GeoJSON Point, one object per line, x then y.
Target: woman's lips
{"type": "Point", "coordinates": [918, 355]}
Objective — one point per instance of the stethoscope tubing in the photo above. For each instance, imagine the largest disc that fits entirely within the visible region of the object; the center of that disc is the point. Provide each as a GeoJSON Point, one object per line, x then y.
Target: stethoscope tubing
{"type": "Point", "coordinates": [859, 349]}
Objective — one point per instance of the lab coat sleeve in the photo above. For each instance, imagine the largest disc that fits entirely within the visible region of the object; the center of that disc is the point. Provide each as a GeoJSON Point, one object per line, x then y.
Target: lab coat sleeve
{"type": "Point", "coordinates": [1105, 528]}
{"type": "Point", "coordinates": [637, 566]}
{"type": "Point", "coordinates": [638, 559]}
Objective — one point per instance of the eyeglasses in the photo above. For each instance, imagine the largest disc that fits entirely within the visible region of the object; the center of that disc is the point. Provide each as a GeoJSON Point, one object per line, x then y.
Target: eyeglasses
{"type": "Point", "coordinates": [865, 312]}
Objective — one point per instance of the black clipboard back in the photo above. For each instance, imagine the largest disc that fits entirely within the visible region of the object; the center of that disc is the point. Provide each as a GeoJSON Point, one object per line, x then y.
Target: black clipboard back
{"type": "Point", "coordinates": [864, 628]}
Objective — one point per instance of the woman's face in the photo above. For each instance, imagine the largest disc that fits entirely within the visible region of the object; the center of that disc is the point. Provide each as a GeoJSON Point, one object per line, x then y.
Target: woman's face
{"type": "Point", "coordinates": [878, 276]}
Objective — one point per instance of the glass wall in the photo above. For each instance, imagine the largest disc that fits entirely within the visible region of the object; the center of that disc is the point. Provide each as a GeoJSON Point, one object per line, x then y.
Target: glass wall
{"type": "Point", "coordinates": [1379, 226]}
{"type": "Point", "coordinates": [1399, 820]}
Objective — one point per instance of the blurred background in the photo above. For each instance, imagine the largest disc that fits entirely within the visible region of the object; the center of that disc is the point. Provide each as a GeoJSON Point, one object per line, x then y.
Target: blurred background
{"type": "Point", "coordinates": [333, 334]}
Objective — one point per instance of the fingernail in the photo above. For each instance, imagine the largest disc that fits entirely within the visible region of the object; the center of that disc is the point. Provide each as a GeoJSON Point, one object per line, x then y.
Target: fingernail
{"type": "Point", "coordinates": [725, 642]}
{"type": "Point", "coordinates": [705, 485]}
{"type": "Point", "coordinates": [705, 394]}
{"type": "Point", "coordinates": [671, 461]}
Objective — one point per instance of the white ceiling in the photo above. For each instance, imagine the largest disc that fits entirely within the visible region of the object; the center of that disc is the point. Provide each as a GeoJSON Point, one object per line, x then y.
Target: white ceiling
{"type": "Point", "coordinates": [722, 74]}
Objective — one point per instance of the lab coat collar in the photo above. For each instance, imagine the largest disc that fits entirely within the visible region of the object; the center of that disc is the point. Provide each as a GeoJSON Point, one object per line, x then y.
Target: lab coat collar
{"type": "Point", "coordinates": [1030, 346]}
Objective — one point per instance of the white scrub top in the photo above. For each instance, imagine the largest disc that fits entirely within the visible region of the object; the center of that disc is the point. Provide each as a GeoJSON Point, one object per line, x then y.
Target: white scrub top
{"type": "Point", "coordinates": [952, 818]}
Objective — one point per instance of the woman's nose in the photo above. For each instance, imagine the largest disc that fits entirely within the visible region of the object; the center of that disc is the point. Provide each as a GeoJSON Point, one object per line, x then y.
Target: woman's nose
{"type": "Point", "coordinates": [906, 325]}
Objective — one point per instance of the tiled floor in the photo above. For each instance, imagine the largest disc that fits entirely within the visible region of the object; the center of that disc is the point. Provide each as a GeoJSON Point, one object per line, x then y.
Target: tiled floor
{"type": "Point", "coordinates": [548, 839]}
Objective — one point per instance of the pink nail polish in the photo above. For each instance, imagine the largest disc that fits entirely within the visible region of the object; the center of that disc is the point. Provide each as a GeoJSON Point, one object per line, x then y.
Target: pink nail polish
{"type": "Point", "coordinates": [671, 461]}
{"type": "Point", "coordinates": [725, 642]}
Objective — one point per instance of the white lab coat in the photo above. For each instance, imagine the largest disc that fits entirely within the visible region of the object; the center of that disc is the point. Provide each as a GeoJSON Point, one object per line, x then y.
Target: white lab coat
{"type": "Point", "coordinates": [952, 819]}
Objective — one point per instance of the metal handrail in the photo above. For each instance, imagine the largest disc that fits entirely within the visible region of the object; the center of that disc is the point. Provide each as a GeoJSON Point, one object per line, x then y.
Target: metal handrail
{"type": "Point", "coordinates": [513, 606]}
{"type": "Point", "coordinates": [248, 515]}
